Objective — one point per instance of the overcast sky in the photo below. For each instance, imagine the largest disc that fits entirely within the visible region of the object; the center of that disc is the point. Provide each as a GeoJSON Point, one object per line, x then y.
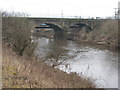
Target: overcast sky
{"type": "Point", "coordinates": [58, 8]}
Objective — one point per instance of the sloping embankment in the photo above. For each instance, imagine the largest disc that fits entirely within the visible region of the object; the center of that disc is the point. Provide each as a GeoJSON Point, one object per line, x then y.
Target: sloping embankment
{"type": "Point", "coordinates": [19, 72]}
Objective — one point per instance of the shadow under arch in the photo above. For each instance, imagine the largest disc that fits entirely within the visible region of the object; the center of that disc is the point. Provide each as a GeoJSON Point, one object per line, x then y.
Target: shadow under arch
{"type": "Point", "coordinates": [55, 27]}
{"type": "Point", "coordinates": [59, 33]}
{"type": "Point", "coordinates": [81, 25]}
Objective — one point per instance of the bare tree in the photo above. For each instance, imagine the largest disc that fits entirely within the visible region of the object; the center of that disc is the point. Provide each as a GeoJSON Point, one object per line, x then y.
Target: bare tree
{"type": "Point", "coordinates": [16, 31]}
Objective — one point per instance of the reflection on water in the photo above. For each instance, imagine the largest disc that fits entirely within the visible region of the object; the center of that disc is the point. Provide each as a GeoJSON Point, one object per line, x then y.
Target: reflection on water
{"type": "Point", "coordinates": [100, 65]}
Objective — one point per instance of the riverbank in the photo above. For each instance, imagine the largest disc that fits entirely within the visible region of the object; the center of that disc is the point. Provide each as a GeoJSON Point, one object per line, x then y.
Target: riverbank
{"type": "Point", "coordinates": [106, 34]}
{"type": "Point", "coordinates": [19, 72]}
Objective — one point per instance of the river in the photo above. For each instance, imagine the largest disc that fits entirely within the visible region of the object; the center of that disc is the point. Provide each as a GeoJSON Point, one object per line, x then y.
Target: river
{"type": "Point", "coordinates": [95, 62]}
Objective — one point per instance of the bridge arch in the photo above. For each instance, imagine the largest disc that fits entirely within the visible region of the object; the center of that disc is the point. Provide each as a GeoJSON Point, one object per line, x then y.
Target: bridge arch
{"type": "Point", "coordinates": [55, 27]}
{"type": "Point", "coordinates": [58, 32]}
{"type": "Point", "coordinates": [81, 25]}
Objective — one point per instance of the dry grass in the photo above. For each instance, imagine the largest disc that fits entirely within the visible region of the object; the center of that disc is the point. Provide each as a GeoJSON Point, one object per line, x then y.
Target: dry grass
{"type": "Point", "coordinates": [19, 72]}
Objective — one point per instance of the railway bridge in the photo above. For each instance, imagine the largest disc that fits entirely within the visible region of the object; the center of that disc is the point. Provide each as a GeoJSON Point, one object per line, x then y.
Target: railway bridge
{"type": "Point", "coordinates": [68, 24]}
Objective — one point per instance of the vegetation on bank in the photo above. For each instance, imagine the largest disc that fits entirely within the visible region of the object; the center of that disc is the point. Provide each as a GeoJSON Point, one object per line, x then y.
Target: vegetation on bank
{"type": "Point", "coordinates": [17, 33]}
{"type": "Point", "coordinates": [105, 34]}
